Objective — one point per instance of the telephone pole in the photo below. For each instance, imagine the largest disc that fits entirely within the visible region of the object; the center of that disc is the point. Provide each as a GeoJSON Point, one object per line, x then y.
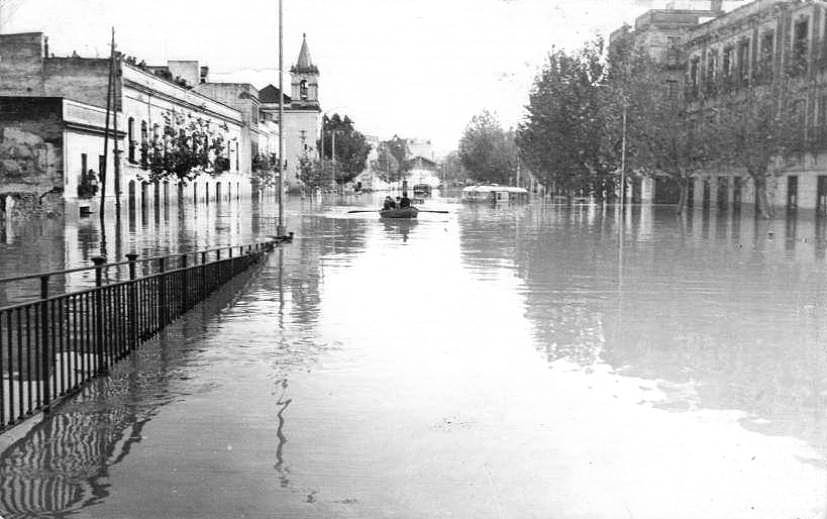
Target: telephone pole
{"type": "Point", "coordinates": [280, 186]}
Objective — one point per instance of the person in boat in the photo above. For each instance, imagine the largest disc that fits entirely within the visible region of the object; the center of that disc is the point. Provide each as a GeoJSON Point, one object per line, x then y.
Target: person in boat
{"type": "Point", "coordinates": [389, 204]}
{"type": "Point", "coordinates": [405, 201]}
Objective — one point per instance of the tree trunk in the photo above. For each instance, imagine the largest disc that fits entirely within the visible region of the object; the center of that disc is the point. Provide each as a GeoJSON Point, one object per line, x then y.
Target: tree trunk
{"type": "Point", "coordinates": [683, 183]}
{"type": "Point", "coordinates": [762, 208]}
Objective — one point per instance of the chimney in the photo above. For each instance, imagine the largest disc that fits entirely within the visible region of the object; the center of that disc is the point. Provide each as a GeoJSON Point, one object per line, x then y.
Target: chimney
{"type": "Point", "coordinates": [46, 47]}
{"type": "Point", "coordinates": [717, 6]}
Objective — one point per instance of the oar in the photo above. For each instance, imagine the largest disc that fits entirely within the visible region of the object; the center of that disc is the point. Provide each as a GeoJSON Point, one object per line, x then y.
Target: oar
{"type": "Point", "coordinates": [426, 211]}
{"type": "Point", "coordinates": [364, 211]}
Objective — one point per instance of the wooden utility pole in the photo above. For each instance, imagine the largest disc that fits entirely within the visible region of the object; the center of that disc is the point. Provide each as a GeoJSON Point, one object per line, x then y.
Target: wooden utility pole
{"type": "Point", "coordinates": [623, 163]}
{"type": "Point", "coordinates": [321, 155]}
{"type": "Point", "coordinates": [106, 135]}
{"type": "Point", "coordinates": [280, 230]}
{"type": "Point", "coordinates": [117, 157]}
{"type": "Point", "coordinates": [333, 158]}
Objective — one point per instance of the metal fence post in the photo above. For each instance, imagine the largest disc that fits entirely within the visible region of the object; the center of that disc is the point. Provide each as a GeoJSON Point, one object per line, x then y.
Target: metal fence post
{"type": "Point", "coordinates": [203, 275]}
{"type": "Point", "coordinates": [133, 301]}
{"type": "Point", "coordinates": [162, 295]}
{"type": "Point", "coordinates": [101, 355]}
{"type": "Point", "coordinates": [185, 289]}
{"type": "Point", "coordinates": [45, 350]}
{"type": "Point", "coordinates": [220, 267]}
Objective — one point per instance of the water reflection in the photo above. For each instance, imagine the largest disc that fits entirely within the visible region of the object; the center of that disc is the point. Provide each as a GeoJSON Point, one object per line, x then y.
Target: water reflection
{"type": "Point", "coordinates": [640, 364]}
{"type": "Point", "coordinates": [399, 228]}
{"type": "Point", "coordinates": [71, 241]}
{"type": "Point", "coordinates": [63, 464]}
{"type": "Point", "coordinates": [735, 310]}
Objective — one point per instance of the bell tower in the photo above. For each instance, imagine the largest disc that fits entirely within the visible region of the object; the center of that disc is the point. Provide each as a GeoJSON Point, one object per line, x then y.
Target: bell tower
{"type": "Point", "coordinates": [305, 80]}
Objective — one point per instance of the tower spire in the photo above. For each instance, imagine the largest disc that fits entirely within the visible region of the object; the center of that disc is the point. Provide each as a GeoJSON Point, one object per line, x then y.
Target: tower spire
{"type": "Point", "coordinates": [304, 63]}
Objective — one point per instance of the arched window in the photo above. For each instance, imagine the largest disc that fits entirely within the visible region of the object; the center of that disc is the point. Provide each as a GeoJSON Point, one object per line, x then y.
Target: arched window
{"type": "Point", "coordinates": [303, 90]}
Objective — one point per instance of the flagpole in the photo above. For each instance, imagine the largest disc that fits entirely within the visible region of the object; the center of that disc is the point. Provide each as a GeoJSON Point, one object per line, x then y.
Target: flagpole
{"type": "Point", "coordinates": [280, 231]}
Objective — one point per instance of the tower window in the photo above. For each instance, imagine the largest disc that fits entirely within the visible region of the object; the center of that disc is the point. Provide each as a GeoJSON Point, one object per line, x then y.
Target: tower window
{"type": "Point", "coordinates": [303, 90]}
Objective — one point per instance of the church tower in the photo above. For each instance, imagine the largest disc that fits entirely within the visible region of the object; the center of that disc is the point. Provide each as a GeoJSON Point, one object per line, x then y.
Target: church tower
{"type": "Point", "coordinates": [305, 80]}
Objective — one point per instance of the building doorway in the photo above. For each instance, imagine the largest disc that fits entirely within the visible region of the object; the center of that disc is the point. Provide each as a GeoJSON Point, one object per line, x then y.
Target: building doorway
{"type": "Point", "coordinates": [723, 193]}
{"type": "Point", "coordinates": [821, 195]}
{"type": "Point", "coordinates": [737, 193]}
{"type": "Point", "coordinates": [792, 193]}
{"type": "Point", "coordinates": [706, 193]}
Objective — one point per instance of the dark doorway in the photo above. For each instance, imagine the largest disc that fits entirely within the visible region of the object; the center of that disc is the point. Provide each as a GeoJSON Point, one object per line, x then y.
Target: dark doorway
{"type": "Point", "coordinates": [667, 191]}
{"type": "Point", "coordinates": [821, 195]}
{"type": "Point", "coordinates": [737, 187]}
{"type": "Point", "coordinates": [792, 193]}
{"type": "Point", "coordinates": [723, 193]}
{"type": "Point", "coordinates": [706, 194]}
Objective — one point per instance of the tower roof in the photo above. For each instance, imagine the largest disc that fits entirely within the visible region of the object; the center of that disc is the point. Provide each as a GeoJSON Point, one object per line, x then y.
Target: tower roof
{"type": "Point", "coordinates": [304, 63]}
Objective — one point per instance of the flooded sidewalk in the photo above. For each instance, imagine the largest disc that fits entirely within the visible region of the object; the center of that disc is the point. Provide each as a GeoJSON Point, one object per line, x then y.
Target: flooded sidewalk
{"type": "Point", "coordinates": [487, 363]}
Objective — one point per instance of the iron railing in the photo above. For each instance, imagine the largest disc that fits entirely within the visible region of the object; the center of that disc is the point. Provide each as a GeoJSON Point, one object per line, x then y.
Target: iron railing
{"type": "Point", "coordinates": [52, 346]}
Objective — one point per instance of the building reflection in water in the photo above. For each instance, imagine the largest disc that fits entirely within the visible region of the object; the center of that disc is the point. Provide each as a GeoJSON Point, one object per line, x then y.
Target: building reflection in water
{"type": "Point", "coordinates": [722, 303]}
{"type": "Point", "coordinates": [63, 463]}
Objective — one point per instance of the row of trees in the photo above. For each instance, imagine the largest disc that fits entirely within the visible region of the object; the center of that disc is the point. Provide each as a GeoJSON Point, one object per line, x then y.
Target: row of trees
{"type": "Point", "coordinates": [350, 152]}
{"type": "Point", "coordinates": [487, 152]}
{"type": "Point", "coordinates": [191, 145]}
{"type": "Point", "coordinates": [572, 132]}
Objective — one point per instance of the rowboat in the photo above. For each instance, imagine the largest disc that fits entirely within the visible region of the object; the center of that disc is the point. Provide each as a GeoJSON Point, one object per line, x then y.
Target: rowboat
{"type": "Point", "coordinates": [400, 212]}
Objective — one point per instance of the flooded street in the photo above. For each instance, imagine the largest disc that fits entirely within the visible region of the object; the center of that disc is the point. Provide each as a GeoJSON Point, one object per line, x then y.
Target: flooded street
{"type": "Point", "coordinates": [529, 361]}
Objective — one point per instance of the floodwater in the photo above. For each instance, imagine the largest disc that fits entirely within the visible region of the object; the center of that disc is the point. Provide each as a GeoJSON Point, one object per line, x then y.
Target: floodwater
{"type": "Point", "coordinates": [528, 361]}
{"type": "Point", "coordinates": [55, 244]}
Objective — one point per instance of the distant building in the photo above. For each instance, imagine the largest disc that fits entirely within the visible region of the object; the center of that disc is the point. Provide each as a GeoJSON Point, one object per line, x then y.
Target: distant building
{"type": "Point", "coordinates": [420, 148]}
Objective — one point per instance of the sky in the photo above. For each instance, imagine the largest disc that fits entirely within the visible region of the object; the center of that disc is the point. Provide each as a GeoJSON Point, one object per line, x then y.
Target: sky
{"type": "Point", "coordinates": [414, 68]}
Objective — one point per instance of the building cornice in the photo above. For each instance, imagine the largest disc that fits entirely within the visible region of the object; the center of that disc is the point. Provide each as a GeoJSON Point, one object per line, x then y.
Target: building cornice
{"type": "Point", "coordinates": [186, 104]}
{"type": "Point", "coordinates": [91, 129]}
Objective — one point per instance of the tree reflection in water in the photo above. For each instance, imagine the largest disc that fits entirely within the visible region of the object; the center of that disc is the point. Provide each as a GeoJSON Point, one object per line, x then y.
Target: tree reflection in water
{"type": "Point", "coordinates": [62, 464]}
{"type": "Point", "coordinates": [723, 310]}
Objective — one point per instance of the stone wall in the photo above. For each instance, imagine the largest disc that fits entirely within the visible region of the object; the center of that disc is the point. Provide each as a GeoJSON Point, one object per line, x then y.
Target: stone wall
{"type": "Point", "coordinates": [79, 79]}
{"type": "Point", "coordinates": [31, 160]}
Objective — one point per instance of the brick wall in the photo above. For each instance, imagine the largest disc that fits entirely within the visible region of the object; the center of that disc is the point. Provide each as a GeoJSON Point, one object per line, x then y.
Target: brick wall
{"type": "Point", "coordinates": [79, 79]}
{"type": "Point", "coordinates": [21, 64]}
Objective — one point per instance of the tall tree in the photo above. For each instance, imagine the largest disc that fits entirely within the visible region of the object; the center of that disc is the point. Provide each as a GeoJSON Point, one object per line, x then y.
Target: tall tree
{"type": "Point", "coordinates": [663, 138]}
{"type": "Point", "coordinates": [386, 165]}
{"type": "Point", "coordinates": [486, 151]}
{"type": "Point", "coordinates": [758, 128]}
{"type": "Point", "coordinates": [562, 136]}
{"type": "Point", "coordinates": [453, 170]}
{"type": "Point", "coordinates": [352, 148]}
